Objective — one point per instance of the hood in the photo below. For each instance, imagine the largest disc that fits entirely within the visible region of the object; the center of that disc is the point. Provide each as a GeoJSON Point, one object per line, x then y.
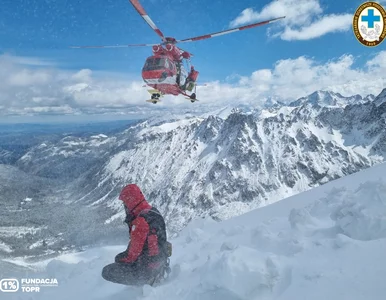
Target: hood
{"type": "Point", "coordinates": [133, 198]}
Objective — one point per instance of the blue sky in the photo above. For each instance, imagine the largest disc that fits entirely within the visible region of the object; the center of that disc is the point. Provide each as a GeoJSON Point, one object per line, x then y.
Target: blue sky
{"type": "Point", "coordinates": [43, 30]}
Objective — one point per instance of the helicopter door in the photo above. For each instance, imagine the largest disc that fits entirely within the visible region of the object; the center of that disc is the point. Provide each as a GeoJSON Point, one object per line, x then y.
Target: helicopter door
{"type": "Point", "coordinates": [171, 66]}
{"type": "Point", "coordinates": [183, 75]}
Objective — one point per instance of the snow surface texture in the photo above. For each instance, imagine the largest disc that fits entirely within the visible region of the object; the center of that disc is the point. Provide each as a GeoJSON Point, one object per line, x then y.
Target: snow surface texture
{"type": "Point", "coordinates": [327, 243]}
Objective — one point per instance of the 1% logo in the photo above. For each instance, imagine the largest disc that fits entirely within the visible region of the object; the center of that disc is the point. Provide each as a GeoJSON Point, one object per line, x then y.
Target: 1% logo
{"type": "Point", "coordinates": [9, 285]}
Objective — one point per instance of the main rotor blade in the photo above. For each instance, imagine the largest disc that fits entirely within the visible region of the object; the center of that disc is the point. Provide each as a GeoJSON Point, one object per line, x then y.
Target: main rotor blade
{"type": "Point", "coordinates": [117, 46]}
{"type": "Point", "coordinates": [207, 36]}
{"type": "Point", "coordinates": [147, 19]}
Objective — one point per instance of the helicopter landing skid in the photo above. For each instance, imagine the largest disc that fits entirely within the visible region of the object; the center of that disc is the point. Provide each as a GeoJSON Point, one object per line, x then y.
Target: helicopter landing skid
{"type": "Point", "coordinates": [154, 101]}
{"type": "Point", "coordinates": [155, 95]}
{"type": "Point", "coordinates": [191, 99]}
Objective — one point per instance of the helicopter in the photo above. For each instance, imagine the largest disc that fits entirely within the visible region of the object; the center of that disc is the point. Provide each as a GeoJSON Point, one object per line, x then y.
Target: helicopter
{"type": "Point", "coordinates": [164, 70]}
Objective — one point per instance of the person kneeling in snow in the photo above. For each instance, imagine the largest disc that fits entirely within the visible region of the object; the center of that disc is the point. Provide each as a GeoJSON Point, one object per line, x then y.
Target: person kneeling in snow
{"type": "Point", "coordinates": [146, 259]}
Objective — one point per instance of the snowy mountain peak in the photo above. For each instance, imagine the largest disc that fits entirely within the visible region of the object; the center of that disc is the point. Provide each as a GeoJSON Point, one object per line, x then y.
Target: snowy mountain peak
{"type": "Point", "coordinates": [273, 102]}
{"type": "Point", "coordinates": [381, 98]}
{"type": "Point", "coordinates": [370, 97]}
{"type": "Point", "coordinates": [324, 97]}
{"type": "Point", "coordinates": [330, 99]}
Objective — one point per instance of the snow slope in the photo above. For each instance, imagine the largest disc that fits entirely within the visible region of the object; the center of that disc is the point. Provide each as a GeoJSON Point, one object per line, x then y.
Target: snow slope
{"type": "Point", "coordinates": [326, 243]}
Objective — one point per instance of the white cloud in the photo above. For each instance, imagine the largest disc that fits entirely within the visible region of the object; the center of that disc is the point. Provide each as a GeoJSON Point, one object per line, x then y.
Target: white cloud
{"type": "Point", "coordinates": [28, 61]}
{"type": "Point", "coordinates": [31, 90]}
{"type": "Point", "coordinates": [378, 62]}
{"type": "Point", "coordinates": [304, 19]}
{"type": "Point", "coordinates": [296, 12]}
{"type": "Point", "coordinates": [327, 24]}
{"type": "Point", "coordinates": [27, 77]}
{"type": "Point", "coordinates": [83, 76]}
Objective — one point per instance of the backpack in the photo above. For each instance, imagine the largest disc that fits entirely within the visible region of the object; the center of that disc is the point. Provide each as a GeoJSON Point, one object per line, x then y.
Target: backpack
{"type": "Point", "coordinates": [157, 234]}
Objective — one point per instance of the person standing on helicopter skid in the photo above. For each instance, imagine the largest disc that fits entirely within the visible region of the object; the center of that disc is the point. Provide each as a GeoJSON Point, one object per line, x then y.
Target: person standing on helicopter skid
{"type": "Point", "coordinates": [146, 259]}
{"type": "Point", "coordinates": [184, 80]}
{"type": "Point", "coordinates": [190, 80]}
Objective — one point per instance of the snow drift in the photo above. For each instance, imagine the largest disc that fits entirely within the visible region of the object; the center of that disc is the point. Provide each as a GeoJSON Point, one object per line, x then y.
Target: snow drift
{"type": "Point", "coordinates": [326, 243]}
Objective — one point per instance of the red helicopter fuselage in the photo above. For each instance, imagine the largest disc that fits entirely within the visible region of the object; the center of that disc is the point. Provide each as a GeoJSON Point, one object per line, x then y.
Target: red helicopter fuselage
{"type": "Point", "coordinates": [163, 70]}
{"type": "Point", "coordinates": [160, 70]}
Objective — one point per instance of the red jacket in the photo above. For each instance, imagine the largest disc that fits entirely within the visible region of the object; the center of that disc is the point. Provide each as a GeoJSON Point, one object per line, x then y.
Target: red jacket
{"type": "Point", "coordinates": [140, 237]}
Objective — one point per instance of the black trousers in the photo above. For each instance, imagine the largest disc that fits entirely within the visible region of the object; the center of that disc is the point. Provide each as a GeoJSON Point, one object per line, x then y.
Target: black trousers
{"type": "Point", "coordinates": [127, 274]}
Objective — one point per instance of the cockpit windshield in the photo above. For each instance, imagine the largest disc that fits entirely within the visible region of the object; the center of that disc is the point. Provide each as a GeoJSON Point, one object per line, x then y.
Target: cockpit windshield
{"type": "Point", "coordinates": [154, 63]}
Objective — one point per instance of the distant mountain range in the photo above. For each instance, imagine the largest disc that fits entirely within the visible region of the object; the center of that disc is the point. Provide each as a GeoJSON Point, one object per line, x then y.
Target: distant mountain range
{"type": "Point", "coordinates": [17, 138]}
{"type": "Point", "coordinates": [325, 98]}
{"type": "Point", "coordinates": [219, 165]}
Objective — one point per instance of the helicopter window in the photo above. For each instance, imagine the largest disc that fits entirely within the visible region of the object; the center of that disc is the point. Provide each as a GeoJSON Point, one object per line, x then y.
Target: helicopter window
{"type": "Point", "coordinates": [172, 66]}
{"type": "Point", "coordinates": [154, 63]}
